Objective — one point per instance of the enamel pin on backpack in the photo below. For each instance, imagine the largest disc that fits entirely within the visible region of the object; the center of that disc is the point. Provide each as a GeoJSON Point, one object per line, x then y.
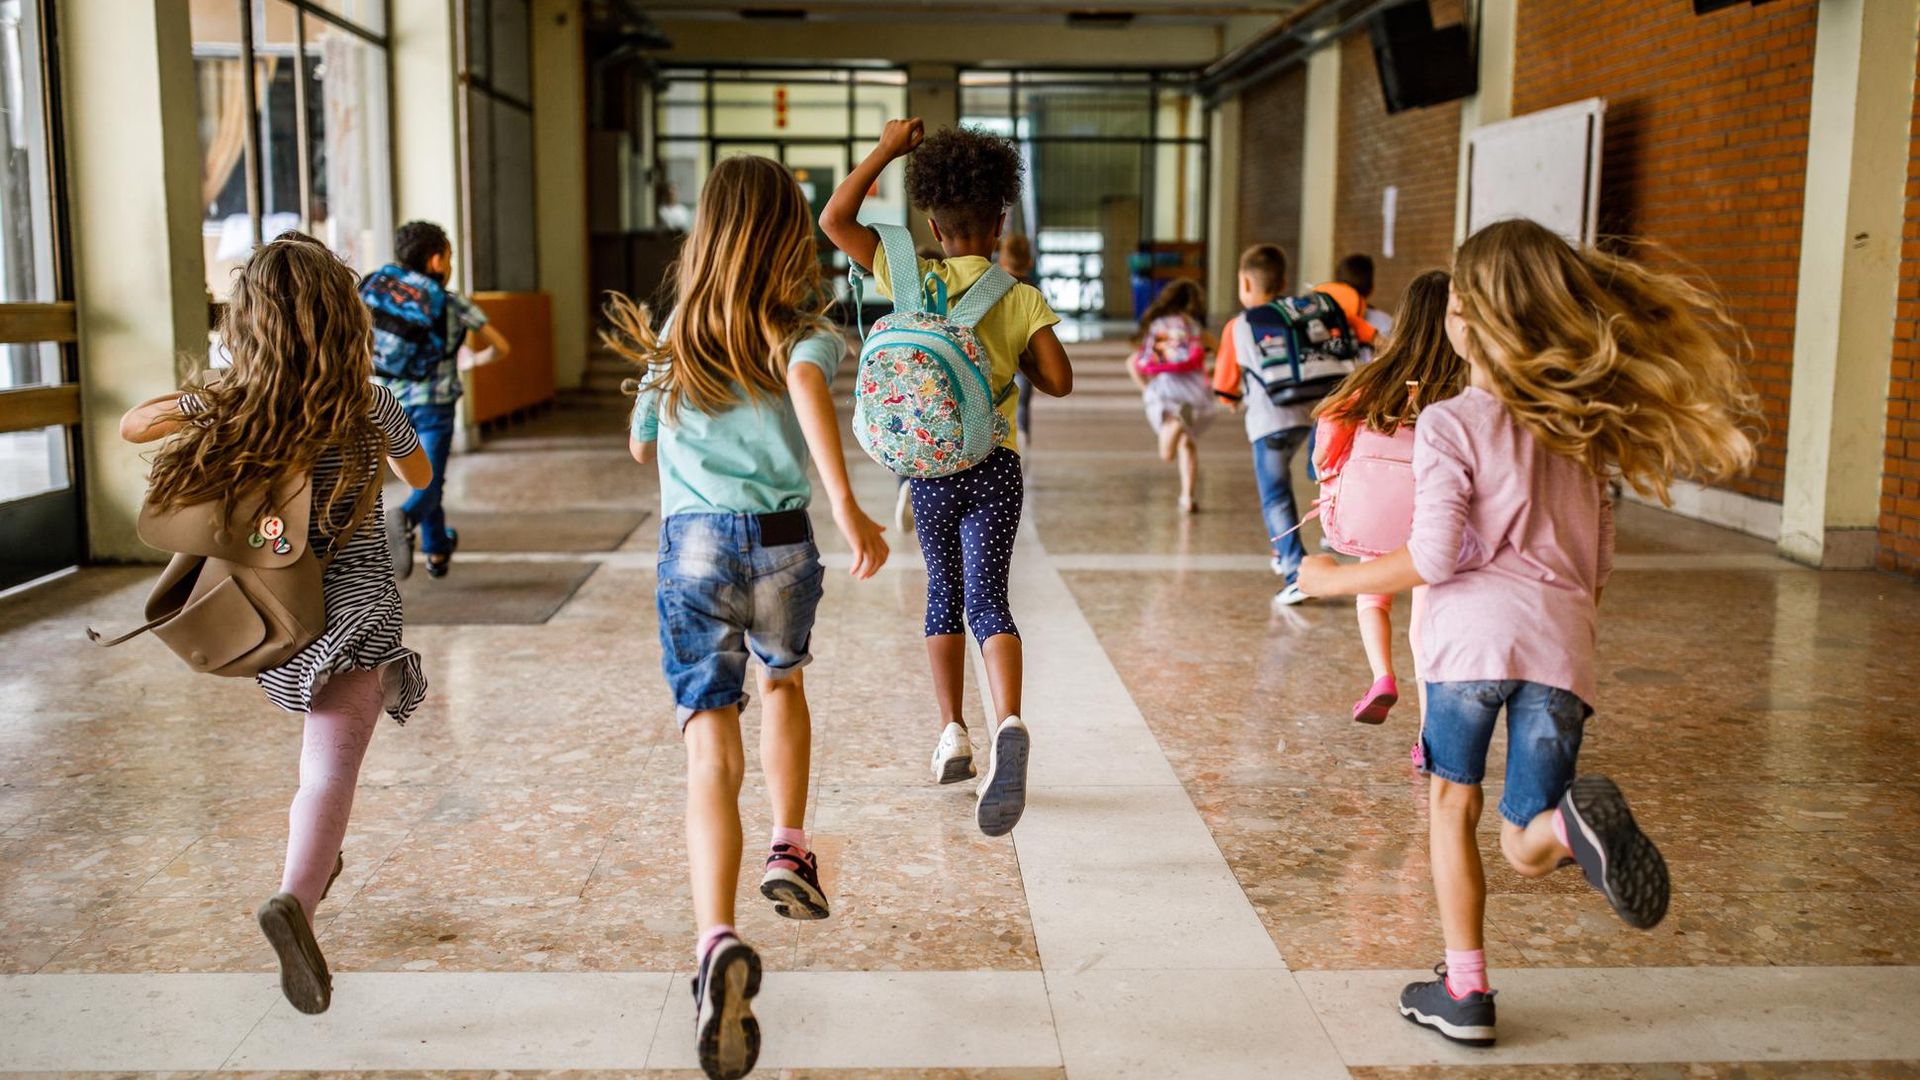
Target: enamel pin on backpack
{"type": "Point", "coordinates": [924, 403]}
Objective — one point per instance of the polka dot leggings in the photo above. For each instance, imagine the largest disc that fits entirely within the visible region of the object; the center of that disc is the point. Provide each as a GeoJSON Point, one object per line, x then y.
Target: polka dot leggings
{"type": "Point", "coordinates": [966, 524]}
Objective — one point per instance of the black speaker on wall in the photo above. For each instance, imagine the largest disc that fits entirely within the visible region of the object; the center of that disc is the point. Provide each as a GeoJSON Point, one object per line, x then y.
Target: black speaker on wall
{"type": "Point", "coordinates": [1702, 7]}
{"type": "Point", "coordinates": [1421, 64]}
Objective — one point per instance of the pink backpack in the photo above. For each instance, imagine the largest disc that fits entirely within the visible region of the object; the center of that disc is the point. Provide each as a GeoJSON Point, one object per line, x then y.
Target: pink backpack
{"type": "Point", "coordinates": [1366, 487]}
{"type": "Point", "coordinates": [1173, 345]}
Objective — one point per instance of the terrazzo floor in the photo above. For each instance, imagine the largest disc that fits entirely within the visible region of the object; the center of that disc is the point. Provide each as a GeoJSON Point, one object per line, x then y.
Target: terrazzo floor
{"type": "Point", "coordinates": [1219, 874]}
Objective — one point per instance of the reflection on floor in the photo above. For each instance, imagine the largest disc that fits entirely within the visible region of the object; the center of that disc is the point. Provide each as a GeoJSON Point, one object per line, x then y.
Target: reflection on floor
{"type": "Point", "coordinates": [1220, 874]}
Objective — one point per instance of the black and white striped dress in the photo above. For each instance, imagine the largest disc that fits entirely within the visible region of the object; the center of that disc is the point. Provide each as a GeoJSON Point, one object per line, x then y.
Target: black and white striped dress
{"type": "Point", "coordinates": [364, 621]}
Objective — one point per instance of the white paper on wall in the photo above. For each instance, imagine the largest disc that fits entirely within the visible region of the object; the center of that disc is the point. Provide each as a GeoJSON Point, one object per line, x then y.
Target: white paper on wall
{"type": "Point", "coordinates": [1389, 210]}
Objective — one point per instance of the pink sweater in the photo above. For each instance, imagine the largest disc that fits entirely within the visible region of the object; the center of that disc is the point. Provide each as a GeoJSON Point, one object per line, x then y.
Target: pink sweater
{"type": "Point", "coordinates": [1515, 541]}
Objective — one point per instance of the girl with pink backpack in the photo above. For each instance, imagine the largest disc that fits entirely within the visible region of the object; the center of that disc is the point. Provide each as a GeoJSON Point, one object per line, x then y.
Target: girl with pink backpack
{"type": "Point", "coordinates": [1169, 364]}
{"type": "Point", "coordinates": [1364, 459]}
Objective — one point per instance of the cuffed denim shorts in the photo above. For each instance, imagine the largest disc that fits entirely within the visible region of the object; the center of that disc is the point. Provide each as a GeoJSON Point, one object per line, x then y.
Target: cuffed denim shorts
{"type": "Point", "coordinates": [1544, 726]}
{"type": "Point", "coordinates": [723, 597]}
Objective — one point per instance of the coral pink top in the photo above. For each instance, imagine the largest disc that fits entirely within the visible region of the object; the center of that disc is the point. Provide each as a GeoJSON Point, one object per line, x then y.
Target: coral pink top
{"type": "Point", "coordinates": [1515, 541]}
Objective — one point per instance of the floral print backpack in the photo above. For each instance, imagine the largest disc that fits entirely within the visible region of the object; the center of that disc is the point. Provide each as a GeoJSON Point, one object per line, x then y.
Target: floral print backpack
{"type": "Point", "coordinates": [924, 403]}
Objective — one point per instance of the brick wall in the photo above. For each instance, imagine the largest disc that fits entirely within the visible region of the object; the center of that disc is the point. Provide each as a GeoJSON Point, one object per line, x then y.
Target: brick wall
{"type": "Point", "coordinates": [1272, 127]}
{"type": "Point", "coordinates": [1900, 478]}
{"type": "Point", "coordinates": [1706, 139]}
{"type": "Point", "coordinates": [1415, 151]}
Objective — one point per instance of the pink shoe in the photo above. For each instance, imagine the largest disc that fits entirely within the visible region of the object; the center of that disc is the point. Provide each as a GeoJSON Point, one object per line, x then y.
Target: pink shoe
{"type": "Point", "coordinates": [1373, 708]}
{"type": "Point", "coordinates": [1419, 758]}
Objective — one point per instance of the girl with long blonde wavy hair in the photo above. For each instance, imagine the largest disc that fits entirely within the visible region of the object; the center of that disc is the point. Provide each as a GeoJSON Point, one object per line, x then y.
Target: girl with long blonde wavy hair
{"type": "Point", "coordinates": [747, 288]}
{"type": "Point", "coordinates": [734, 399]}
{"type": "Point", "coordinates": [297, 404]}
{"type": "Point", "coordinates": [1583, 366]}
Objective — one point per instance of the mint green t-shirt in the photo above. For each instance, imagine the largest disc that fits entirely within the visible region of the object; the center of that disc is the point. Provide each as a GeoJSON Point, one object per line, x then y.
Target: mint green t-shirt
{"type": "Point", "coordinates": [750, 459]}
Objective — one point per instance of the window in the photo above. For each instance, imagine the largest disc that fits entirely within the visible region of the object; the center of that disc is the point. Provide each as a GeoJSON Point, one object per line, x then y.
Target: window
{"type": "Point", "coordinates": [293, 128]}
{"type": "Point", "coordinates": [817, 122]}
{"type": "Point", "coordinates": [499, 105]}
{"type": "Point", "coordinates": [1115, 162]}
{"type": "Point", "coordinates": [40, 514]}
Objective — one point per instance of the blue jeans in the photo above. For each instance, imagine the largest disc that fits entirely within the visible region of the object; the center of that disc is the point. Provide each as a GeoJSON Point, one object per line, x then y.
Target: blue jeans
{"type": "Point", "coordinates": [434, 425]}
{"type": "Point", "coordinates": [1544, 726]}
{"type": "Point", "coordinates": [722, 593]}
{"type": "Point", "coordinates": [1273, 469]}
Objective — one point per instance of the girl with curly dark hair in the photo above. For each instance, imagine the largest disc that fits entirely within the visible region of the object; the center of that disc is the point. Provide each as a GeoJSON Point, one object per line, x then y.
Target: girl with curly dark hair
{"type": "Point", "coordinates": [964, 180]}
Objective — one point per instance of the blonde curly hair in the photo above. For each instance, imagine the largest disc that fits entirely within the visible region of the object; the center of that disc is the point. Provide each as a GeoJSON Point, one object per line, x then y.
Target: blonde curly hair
{"type": "Point", "coordinates": [1625, 369]}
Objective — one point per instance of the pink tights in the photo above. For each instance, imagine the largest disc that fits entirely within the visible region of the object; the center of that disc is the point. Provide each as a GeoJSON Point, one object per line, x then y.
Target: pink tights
{"type": "Point", "coordinates": [1374, 601]}
{"type": "Point", "coordinates": [339, 727]}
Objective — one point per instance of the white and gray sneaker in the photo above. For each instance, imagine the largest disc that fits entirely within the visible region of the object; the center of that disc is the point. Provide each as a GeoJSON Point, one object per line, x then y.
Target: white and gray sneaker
{"type": "Point", "coordinates": [903, 508]}
{"type": "Point", "coordinates": [1003, 790]}
{"type": "Point", "coordinates": [1289, 596]}
{"type": "Point", "coordinates": [953, 758]}
{"type": "Point", "coordinates": [1279, 568]}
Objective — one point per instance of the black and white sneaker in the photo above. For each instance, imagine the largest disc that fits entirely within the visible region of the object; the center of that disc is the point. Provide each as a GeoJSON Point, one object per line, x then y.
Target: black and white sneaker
{"type": "Point", "coordinates": [1003, 790]}
{"type": "Point", "coordinates": [792, 882]}
{"type": "Point", "coordinates": [723, 1025]}
{"type": "Point", "coordinates": [1616, 856]}
{"type": "Point", "coordinates": [1466, 1019]}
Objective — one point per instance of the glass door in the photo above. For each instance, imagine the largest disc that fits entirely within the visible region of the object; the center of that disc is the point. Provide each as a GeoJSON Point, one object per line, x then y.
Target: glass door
{"type": "Point", "coordinates": [40, 504]}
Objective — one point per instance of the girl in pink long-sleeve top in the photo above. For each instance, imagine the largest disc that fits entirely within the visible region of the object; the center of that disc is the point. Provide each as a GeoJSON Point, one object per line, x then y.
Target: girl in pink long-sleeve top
{"type": "Point", "coordinates": [1583, 367]}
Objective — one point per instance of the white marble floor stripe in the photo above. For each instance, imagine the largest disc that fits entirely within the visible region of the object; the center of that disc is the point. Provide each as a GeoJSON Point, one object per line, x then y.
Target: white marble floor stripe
{"type": "Point", "coordinates": [1561, 1016]}
{"type": "Point", "coordinates": [1100, 1022]}
{"type": "Point", "coordinates": [1160, 975]}
{"type": "Point", "coordinates": [1145, 563]}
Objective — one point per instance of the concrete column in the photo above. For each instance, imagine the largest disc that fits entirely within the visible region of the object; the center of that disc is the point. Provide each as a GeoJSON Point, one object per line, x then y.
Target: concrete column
{"type": "Point", "coordinates": [1494, 100]}
{"type": "Point", "coordinates": [933, 96]}
{"type": "Point", "coordinates": [1223, 199]}
{"type": "Point", "coordinates": [131, 113]}
{"type": "Point", "coordinates": [560, 180]}
{"type": "Point", "coordinates": [426, 131]}
{"type": "Point", "coordinates": [427, 148]}
{"type": "Point", "coordinates": [1320, 167]}
{"type": "Point", "coordinates": [1863, 82]}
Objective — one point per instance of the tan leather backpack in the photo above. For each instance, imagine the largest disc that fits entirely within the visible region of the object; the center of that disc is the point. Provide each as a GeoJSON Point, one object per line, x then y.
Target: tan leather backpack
{"type": "Point", "coordinates": [242, 594]}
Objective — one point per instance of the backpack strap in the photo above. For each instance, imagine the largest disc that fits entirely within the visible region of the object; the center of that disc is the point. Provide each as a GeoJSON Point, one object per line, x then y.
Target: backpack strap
{"type": "Point", "coordinates": [990, 289]}
{"type": "Point", "coordinates": [903, 268]}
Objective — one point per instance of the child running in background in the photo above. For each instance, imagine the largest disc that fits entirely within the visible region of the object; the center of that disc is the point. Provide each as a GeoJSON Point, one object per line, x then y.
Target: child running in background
{"type": "Point", "coordinates": [1169, 364]}
{"type": "Point", "coordinates": [1276, 432]}
{"type": "Point", "coordinates": [419, 326]}
{"type": "Point", "coordinates": [965, 180]}
{"type": "Point", "coordinates": [299, 398]}
{"type": "Point", "coordinates": [1016, 258]}
{"type": "Point", "coordinates": [735, 397]}
{"type": "Point", "coordinates": [1418, 368]}
{"type": "Point", "coordinates": [1352, 289]}
{"type": "Point", "coordinates": [1583, 366]}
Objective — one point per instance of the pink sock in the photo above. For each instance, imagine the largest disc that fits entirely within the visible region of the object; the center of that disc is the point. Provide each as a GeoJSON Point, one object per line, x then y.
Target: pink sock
{"type": "Point", "coordinates": [1466, 971]}
{"type": "Point", "coordinates": [1560, 829]}
{"type": "Point", "coordinates": [709, 938]}
{"type": "Point", "coordinates": [794, 837]}
{"type": "Point", "coordinates": [339, 726]}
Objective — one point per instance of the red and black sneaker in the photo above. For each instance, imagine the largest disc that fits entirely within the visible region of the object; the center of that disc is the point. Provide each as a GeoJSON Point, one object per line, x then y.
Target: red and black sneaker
{"type": "Point", "coordinates": [792, 882]}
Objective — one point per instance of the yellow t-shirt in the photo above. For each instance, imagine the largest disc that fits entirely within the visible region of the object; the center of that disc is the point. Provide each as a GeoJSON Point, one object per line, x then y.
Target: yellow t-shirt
{"type": "Point", "coordinates": [1005, 331]}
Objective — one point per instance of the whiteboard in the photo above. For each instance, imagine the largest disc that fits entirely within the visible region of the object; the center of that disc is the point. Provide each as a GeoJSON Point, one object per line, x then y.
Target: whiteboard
{"type": "Point", "coordinates": [1544, 166]}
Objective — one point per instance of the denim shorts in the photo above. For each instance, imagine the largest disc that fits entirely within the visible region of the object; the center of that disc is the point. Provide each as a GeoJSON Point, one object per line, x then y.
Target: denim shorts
{"type": "Point", "coordinates": [721, 594]}
{"type": "Point", "coordinates": [1544, 725]}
